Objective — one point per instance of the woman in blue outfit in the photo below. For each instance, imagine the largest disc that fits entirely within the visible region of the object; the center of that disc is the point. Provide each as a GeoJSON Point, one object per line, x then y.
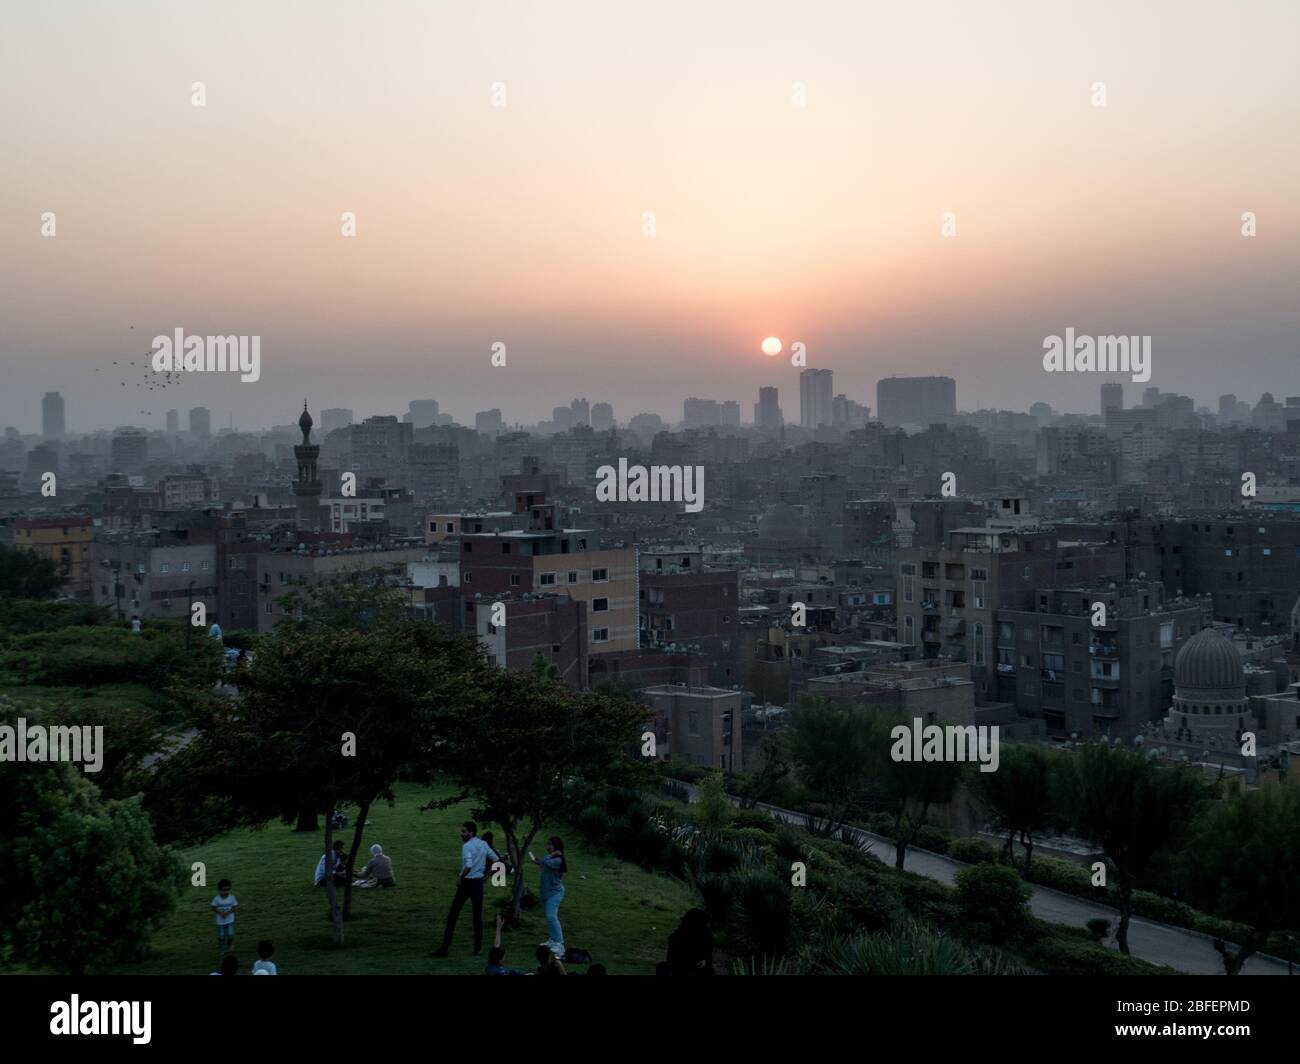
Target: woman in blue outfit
{"type": "Point", "coordinates": [551, 892]}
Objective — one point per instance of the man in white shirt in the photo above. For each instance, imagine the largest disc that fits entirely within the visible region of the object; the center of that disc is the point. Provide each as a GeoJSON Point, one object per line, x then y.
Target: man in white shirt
{"type": "Point", "coordinates": [474, 853]}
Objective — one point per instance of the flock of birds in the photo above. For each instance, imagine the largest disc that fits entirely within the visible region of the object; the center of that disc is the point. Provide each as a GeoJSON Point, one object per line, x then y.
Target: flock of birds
{"type": "Point", "coordinates": [145, 377]}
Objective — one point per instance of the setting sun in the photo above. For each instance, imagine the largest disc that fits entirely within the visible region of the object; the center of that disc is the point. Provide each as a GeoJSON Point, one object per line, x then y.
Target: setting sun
{"type": "Point", "coordinates": [772, 346]}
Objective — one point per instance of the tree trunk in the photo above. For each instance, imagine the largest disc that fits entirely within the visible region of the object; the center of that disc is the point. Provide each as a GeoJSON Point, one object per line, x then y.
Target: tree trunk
{"type": "Point", "coordinates": [357, 830]}
{"type": "Point", "coordinates": [1007, 854]}
{"type": "Point", "coordinates": [516, 907]}
{"type": "Point", "coordinates": [331, 895]}
{"type": "Point", "coordinates": [902, 843]}
{"type": "Point", "coordinates": [1232, 963]}
{"type": "Point", "coordinates": [1125, 911]}
{"type": "Point", "coordinates": [307, 821]}
{"type": "Point", "coordinates": [1027, 841]}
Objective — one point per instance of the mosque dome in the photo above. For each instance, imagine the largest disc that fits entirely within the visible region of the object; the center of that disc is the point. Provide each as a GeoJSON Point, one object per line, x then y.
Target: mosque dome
{"type": "Point", "coordinates": [1208, 662]}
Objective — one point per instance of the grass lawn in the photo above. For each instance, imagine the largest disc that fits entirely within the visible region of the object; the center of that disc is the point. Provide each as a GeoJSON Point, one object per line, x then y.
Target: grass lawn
{"type": "Point", "coordinates": [619, 912]}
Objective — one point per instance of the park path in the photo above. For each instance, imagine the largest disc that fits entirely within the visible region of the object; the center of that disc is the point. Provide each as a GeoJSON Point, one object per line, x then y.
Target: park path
{"type": "Point", "coordinates": [1176, 947]}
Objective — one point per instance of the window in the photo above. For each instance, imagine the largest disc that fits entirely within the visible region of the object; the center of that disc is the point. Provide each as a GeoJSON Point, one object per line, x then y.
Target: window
{"type": "Point", "coordinates": [269, 607]}
{"type": "Point", "coordinates": [548, 580]}
{"type": "Point", "coordinates": [469, 578]}
{"type": "Point", "coordinates": [505, 548]}
{"type": "Point", "coordinates": [451, 527]}
{"type": "Point", "coordinates": [599, 576]}
{"type": "Point", "coordinates": [185, 567]}
{"type": "Point", "coordinates": [1268, 552]}
{"type": "Point", "coordinates": [573, 577]}
{"type": "Point", "coordinates": [468, 546]}
{"type": "Point", "coordinates": [582, 544]}
{"type": "Point", "coordinates": [907, 589]}
{"type": "Point", "coordinates": [203, 567]}
{"type": "Point", "coordinates": [907, 569]}
{"type": "Point", "coordinates": [1227, 552]}
{"type": "Point", "coordinates": [600, 605]}
{"type": "Point", "coordinates": [514, 579]}
{"type": "Point", "coordinates": [164, 568]}
{"type": "Point", "coordinates": [693, 722]}
{"type": "Point", "coordinates": [600, 635]}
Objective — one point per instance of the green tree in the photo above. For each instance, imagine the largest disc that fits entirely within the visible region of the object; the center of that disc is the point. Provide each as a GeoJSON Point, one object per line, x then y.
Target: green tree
{"type": "Point", "coordinates": [1132, 808]}
{"type": "Point", "coordinates": [907, 789]}
{"type": "Point", "coordinates": [336, 717]}
{"type": "Point", "coordinates": [511, 741]}
{"type": "Point", "coordinates": [712, 812]}
{"type": "Point", "coordinates": [26, 575]}
{"type": "Point", "coordinates": [830, 748]}
{"type": "Point", "coordinates": [1242, 862]}
{"type": "Point", "coordinates": [81, 878]}
{"type": "Point", "coordinates": [774, 768]}
{"type": "Point", "coordinates": [1021, 796]}
{"type": "Point", "coordinates": [994, 896]}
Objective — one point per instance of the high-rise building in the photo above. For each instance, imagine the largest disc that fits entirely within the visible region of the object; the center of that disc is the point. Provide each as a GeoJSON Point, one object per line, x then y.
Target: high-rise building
{"type": "Point", "coordinates": [130, 451]}
{"type": "Point", "coordinates": [488, 422]}
{"type": "Point", "coordinates": [1112, 397]}
{"type": "Point", "coordinates": [52, 416]}
{"type": "Point", "coordinates": [334, 418]}
{"type": "Point", "coordinates": [729, 413]}
{"type": "Point", "coordinates": [847, 413]}
{"type": "Point", "coordinates": [379, 448]}
{"type": "Point", "coordinates": [581, 411]}
{"type": "Point", "coordinates": [422, 413]}
{"type": "Point", "coordinates": [602, 417]}
{"type": "Point", "coordinates": [920, 401]}
{"type": "Point", "coordinates": [816, 387]}
{"type": "Point", "coordinates": [200, 422]}
{"type": "Point", "coordinates": [173, 421]}
{"type": "Point", "coordinates": [700, 413]}
{"type": "Point", "coordinates": [767, 411]}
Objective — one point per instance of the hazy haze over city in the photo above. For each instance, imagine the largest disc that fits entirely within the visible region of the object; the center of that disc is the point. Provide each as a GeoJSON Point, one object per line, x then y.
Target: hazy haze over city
{"type": "Point", "coordinates": [523, 223]}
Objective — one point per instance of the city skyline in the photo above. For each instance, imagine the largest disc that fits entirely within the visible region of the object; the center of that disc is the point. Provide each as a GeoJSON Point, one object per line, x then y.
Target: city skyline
{"type": "Point", "coordinates": [787, 193]}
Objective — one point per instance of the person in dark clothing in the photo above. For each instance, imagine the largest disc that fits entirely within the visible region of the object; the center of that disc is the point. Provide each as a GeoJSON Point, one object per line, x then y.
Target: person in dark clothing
{"type": "Point", "coordinates": [548, 963]}
{"type": "Point", "coordinates": [690, 947]}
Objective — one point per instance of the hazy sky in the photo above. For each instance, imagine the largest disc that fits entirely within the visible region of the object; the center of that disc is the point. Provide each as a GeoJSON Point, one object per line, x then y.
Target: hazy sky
{"type": "Point", "coordinates": [523, 223]}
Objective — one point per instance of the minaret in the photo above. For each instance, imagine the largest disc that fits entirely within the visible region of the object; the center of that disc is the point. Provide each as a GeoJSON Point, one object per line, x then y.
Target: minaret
{"type": "Point", "coordinates": [306, 488]}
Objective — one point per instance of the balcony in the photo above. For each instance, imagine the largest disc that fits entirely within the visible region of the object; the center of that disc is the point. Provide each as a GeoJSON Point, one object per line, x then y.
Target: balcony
{"type": "Point", "coordinates": [1103, 650]}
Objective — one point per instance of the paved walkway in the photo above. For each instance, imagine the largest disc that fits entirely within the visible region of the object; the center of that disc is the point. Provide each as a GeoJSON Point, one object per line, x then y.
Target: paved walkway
{"type": "Point", "coordinates": [1176, 947]}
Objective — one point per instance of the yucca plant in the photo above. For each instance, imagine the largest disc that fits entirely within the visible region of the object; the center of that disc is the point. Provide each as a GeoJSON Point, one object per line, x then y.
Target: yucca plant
{"type": "Point", "coordinates": [760, 966]}
{"type": "Point", "coordinates": [911, 949]}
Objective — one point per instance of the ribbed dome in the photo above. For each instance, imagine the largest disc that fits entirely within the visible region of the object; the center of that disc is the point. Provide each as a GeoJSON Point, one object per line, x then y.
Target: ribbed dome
{"type": "Point", "coordinates": [1208, 661]}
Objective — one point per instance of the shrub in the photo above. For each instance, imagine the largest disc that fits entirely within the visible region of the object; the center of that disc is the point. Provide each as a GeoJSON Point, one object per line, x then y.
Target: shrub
{"type": "Point", "coordinates": [934, 839]}
{"type": "Point", "coordinates": [1098, 928]}
{"type": "Point", "coordinates": [749, 836]}
{"type": "Point", "coordinates": [911, 949]}
{"type": "Point", "coordinates": [928, 900]}
{"type": "Point", "coordinates": [996, 895]}
{"type": "Point", "coordinates": [974, 851]}
{"type": "Point", "coordinates": [1060, 955]}
{"type": "Point", "coordinates": [754, 818]}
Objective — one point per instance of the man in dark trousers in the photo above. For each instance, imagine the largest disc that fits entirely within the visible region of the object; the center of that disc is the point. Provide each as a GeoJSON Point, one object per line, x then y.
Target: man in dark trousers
{"type": "Point", "coordinates": [474, 853]}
